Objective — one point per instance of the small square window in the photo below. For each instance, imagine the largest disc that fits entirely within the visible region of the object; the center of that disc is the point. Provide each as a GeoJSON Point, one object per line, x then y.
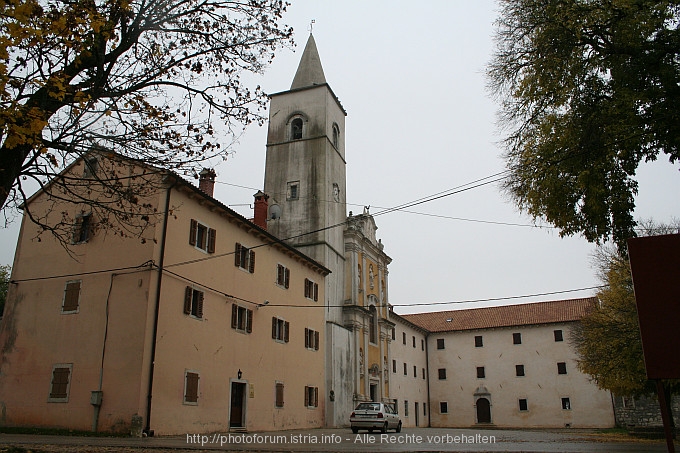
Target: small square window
{"type": "Point", "coordinates": [442, 373]}
{"type": "Point", "coordinates": [244, 258]}
{"type": "Point", "coordinates": [478, 341]}
{"type": "Point", "coordinates": [311, 290]}
{"type": "Point", "coordinates": [193, 302]}
{"type": "Point", "coordinates": [443, 407]}
{"type": "Point", "coordinates": [440, 343]}
{"type": "Point", "coordinates": [312, 396]}
{"type": "Point", "coordinates": [202, 237]}
{"type": "Point", "coordinates": [280, 329]}
{"type": "Point", "coordinates": [241, 319]}
{"type": "Point", "coordinates": [83, 229]}
{"type": "Point", "coordinates": [566, 404]}
{"type": "Point", "coordinates": [558, 335]}
{"type": "Point", "coordinates": [311, 339]}
{"type": "Point", "coordinates": [519, 370]}
{"type": "Point", "coordinates": [516, 338]}
{"type": "Point", "coordinates": [523, 405]}
{"type": "Point", "coordinates": [481, 374]}
{"type": "Point", "coordinates": [282, 276]}
{"type": "Point", "coordinates": [293, 190]}
{"type": "Point", "coordinates": [561, 368]}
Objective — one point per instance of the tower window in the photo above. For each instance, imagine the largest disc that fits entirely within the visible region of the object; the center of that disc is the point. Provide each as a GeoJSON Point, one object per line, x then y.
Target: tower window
{"type": "Point", "coordinates": [336, 136]}
{"type": "Point", "coordinates": [293, 190]}
{"type": "Point", "coordinates": [296, 129]}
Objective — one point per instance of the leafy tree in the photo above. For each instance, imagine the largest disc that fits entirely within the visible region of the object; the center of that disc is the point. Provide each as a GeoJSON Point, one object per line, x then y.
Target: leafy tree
{"type": "Point", "coordinates": [588, 89]}
{"type": "Point", "coordinates": [157, 81]}
{"type": "Point", "coordinates": [608, 340]}
{"type": "Point", "coordinates": [5, 273]}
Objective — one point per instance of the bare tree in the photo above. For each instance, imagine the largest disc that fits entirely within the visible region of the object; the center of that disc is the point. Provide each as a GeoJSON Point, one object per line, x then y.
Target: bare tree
{"type": "Point", "coordinates": [158, 81]}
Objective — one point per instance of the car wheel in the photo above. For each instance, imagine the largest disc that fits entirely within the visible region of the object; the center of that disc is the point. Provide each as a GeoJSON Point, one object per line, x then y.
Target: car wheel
{"type": "Point", "coordinates": [384, 428]}
{"type": "Point", "coordinates": [355, 430]}
{"type": "Point", "coordinates": [399, 427]}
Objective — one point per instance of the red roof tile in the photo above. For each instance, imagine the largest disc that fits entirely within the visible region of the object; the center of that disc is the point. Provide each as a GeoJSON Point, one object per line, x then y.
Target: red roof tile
{"type": "Point", "coordinates": [504, 316]}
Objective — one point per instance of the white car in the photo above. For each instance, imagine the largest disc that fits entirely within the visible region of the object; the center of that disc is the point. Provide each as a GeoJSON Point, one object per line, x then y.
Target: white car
{"type": "Point", "coordinates": [374, 415]}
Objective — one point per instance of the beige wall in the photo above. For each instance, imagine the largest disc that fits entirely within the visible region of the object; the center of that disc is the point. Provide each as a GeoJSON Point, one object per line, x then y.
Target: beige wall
{"type": "Point", "coordinates": [542, 386]}
{"type": "Point", "coordinates": [407, 387]}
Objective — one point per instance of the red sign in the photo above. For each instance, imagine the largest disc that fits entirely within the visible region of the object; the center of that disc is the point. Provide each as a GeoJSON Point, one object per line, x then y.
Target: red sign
{"type": "Point", "coordinates": [655, 266]}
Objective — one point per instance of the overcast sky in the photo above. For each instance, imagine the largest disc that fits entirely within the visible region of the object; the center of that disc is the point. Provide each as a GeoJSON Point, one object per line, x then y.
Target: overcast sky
{"type": "Point", "coordinates": [419, 122]}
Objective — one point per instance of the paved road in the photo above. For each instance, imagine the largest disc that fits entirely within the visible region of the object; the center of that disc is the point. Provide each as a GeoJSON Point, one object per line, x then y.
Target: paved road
{"type": "Point", "coordinates": [342, 440]}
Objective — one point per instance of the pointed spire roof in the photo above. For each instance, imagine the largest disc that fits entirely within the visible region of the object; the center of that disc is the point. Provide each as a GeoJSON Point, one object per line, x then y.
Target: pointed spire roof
{"type": "Point", "coordinates": [309, 71]}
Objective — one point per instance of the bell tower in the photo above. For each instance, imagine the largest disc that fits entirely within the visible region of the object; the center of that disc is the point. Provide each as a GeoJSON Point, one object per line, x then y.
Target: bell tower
{"type": "Point", "coordinates": [305, 180]}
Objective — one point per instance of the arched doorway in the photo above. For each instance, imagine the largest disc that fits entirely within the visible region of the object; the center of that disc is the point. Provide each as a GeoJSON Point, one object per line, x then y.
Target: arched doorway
{"type": "Point", "coordinates": [483, 411]}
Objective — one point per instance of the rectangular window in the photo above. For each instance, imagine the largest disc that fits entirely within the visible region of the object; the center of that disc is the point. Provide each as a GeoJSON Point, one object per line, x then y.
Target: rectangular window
{"type": "Point", "coordinates": [394, 366]}
{"type": "Point", "coordinates": [280, 329]}
{"type": "Point", "coordinates": [311, 396]}
{"type": "Point", "coordinates": [244, 258]}
{"type": "Point", "coordinates": [311, 290]}
{"type": "Point", "coordinates": [558, 335]}
{"type": "Point", "coordinates": [442, 373]}
{"type": "Point", "coordinates": [561, 368]}
{"type": "Point", "coordinates": [71, 301]}
{"type": "Point", "coordinates": [523, 405]}
{"type": "Point", "coordinates": [414, 341]}
{"type": "Point", "coordinates": [394, 333]}
{"type": "Point", "coordinates": [193, 302]}
{"type": "Point", "coordinates": [422, 345]}
{"type": "Point", "coordinates": [190, 387]}
{"type": "Point", "coordinates": [403, 337]}
{"type": "Point", "coordinates": [61, 383]}
{"type": "Point", "coordinates": [519, 370]}
{"type": "Point", "coordinates": [241, 318]}
{"type": "Point", "coordinates": [415, 371]}
{"type": "Point", "coordinates": [83, 229]}
{"type": "Point", "coordinates": [311, 339]}
{"type": "Point", "coordinates": [282, 276]}
{"type": "Point", "coordinates": [440, 343]}
{"type": "Point", "coordinates": [478, 341]}
{"type": "Point", "coordinates": [443, 407]}
{"type": "Point", "coordinates": [566, 404]}
{"type": "Point", "coordinates": [202, 237]}
{"type": "Point", "coordinates": [405, 408]}
{"type": "Point", "coordinates": [517, 338]}
{"type": "Point", "coordinates": [423, 373]}
{"type": "Point", "coordinates": [405, 369]}
{"type": "Point", "coordinates": [293, 190]}
{"type": "Point", "coordinates": [278, 401]}
{"type": "Point", "coordinates": [481, 374]}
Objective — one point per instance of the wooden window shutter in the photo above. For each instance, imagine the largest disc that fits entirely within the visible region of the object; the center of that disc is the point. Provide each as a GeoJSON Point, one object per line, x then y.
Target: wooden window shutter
{"type": "Point", "coordinates": [316, 396]}
{"type": "Point", "coordinates": [212, 236]}
{"type": "Point", "coordinates": [71, 296]}
{"type": "Point", "coordinates": [252, 261]}
{"type": "Point", "coordinates": [191, 395]}
{"type": "Point", "coordinates": [187, 300]}
{"type": "Point", "coordinates": [234, 316]}
{"type": "Point", "coordinates": [249, 321]}
{"type": "Point", "coordinates": [199, 309]}
{"type": "Point", "coordinates": [60, 377]}
{"type": "Point", "coordinates": [279, 394]}
{"type": "Point", "coordinates": [287, 278]}
{"type": "Point", "coordinates": [306, 287]}
{"type": "Point", "coordinates": [279, 274]}
{"type": "Point", "coordinates": [306, 337]}
{"type": "Point", "coordinates": [316, 292]}
{"type": "Point", "coordinates": [316, 341]}
{"type": "Point", "coordinates": [286, 331]}
{"type": "Point", "coordinates": [237, 255]}
{"type": "Point", "coordinates": [193, 228]}
{"type": "Point", "coordinates": [274, 322]}
{"type": "Point", "coordinates": [306, 396]}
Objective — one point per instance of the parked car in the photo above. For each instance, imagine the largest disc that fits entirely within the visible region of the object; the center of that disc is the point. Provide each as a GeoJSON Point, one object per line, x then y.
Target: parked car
{"type": "Point", "coordinates": [374, 415]}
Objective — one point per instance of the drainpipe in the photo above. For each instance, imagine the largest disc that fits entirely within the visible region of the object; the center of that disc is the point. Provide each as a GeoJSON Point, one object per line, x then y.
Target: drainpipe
{"type": "Point", "coordinates": [147, 429]}
{"type": "Point", "coordinates": [427, 367]}
{"type": "Point", "coordinates": [96, 395]}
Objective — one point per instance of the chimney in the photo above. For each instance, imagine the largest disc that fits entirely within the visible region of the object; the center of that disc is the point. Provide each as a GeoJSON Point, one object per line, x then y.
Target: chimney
{"type": "Point", "coordinates": [261, 208]}
{"type": "Point", "coordinates": [206, 180]}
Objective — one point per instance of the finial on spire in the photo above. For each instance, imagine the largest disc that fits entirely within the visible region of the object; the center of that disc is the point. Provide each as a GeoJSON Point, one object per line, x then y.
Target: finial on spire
{"type": "Point", "coordinates": [311, 26]}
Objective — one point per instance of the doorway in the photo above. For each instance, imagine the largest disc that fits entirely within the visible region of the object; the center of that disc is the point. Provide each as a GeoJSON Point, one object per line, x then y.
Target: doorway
{"type": "Point", "coordinates": [374, 392]}
{"type": "Point", "coordinates": [237, 413]}
{"type": "Point", "coordinates": [483, 411]}
{"type": "Point", "coordinates": [417, 412]}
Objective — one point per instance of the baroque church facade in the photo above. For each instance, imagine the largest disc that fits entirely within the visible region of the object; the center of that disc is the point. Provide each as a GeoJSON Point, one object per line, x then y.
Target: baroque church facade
{"type": "Point", "coordinates": [305, 178]}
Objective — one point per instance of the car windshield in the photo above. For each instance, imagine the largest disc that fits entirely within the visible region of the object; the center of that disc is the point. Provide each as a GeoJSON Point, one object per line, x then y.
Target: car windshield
{"type": "Point", "coordinates": [368, 407]}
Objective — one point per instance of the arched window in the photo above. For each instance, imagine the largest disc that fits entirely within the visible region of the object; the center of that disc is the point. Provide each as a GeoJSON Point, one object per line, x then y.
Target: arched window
{"type": "Point", "coordinates": [336, 136]}
{"type": "Point", "coordinates": [296, 129]}
{"type": "Point", "coordinates": [372, 334]}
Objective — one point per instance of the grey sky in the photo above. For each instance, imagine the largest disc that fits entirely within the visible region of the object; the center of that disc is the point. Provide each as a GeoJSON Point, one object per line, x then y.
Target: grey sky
{"type": "Point", "coordinates": [420, 122]}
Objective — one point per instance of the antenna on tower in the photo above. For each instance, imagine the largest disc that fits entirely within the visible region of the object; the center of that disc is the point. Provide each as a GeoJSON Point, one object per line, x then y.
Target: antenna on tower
{"type": "Point", "coordinates": [311, 26]}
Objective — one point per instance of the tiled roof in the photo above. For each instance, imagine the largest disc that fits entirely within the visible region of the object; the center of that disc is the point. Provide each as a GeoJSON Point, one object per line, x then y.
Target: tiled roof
{"type": "Point", "coordinates": [503, 316]}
